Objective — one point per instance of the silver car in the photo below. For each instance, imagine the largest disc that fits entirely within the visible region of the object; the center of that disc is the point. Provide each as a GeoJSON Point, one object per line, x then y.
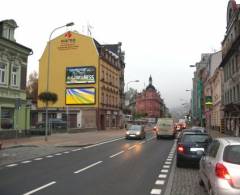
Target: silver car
{"type": "Point", "coordinates": [220, 167]}
{"type": "Point", "coordinates": [135, 131]}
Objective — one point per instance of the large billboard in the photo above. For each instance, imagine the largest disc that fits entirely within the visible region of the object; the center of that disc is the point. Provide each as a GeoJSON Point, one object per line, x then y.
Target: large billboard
{"type": "Point", "coordinates": [82, 75]}
{"type": "Point", "coordinates": [80, 96]}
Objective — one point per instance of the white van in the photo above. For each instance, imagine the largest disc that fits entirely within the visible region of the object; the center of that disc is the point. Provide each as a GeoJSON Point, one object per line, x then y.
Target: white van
{"type": "Point", "coordinates": [165, 128]}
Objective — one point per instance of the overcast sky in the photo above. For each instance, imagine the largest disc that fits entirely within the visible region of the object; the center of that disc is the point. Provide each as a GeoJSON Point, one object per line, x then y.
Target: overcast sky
{"type": "Point", "coordinates": [159, 37]}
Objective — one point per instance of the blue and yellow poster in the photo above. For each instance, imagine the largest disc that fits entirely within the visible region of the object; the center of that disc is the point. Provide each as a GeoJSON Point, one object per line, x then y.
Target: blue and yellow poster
{"type": "Point", "coordinates": [80, 96]}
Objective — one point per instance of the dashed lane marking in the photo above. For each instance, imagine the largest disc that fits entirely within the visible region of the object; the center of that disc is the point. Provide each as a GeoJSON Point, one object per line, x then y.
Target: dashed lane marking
{"type": "Point", "coordinates": [40, 188]}
{"type": "Point", "coordinates": [162, 176]}
{"type": "Point", "coordinates": [58, 154]}
{"type": "Point", "coordinates": [78, 149]}
{"type": "Point", "coordinates": [166, 166]}
{"type": "Point", "coordinates": [49, 156]}
{"type": "Point", "coordinates": [12, 165]}
{"type": "Point", "coordinates": [160, 182]}
{"type": "Point", "coordinates": [164, 171]}
{"type": "Point", "coordinates": [114, 155]}
{"type": "Point", "coordinates": [67, 152]}
{"type": "Point", "coordinates": [38, 158]}
{"type": "Point", "coordinates": [168, 162]}
{"type": "Point", "coordinates": [88, 167]}
{"type": "Point", "coordinates": [26, 162]}
{"type": "Point", "coordinates": [130, 148]}
{"type": "Point", "coordinates": [156, 191]}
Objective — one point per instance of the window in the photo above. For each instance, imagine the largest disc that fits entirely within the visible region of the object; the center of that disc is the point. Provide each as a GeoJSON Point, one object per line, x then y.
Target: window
{"type": "Point", "coordinates": [2, 73]}
{"type": "Point", "coordinates": [213, 149]}
{"type": "Point", "coordinates": [232, 154]}
{"type": "Point", "coordinates": [14, 76]}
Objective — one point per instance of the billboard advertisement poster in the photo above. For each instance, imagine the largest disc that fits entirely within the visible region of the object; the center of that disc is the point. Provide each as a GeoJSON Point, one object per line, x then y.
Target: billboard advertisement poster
{"type": "Point", "coordinates": [81, 75]}
{"type": "Point", "coordinates": [80, 96]}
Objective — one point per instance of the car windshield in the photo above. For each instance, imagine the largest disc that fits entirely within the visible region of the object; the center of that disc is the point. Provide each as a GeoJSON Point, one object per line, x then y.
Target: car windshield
{"type": "Point", "coordinates": [232, 154]}
{"type": "Point", "coordinates": [191, 138]}
{"type": "Point", "coordinates": [135, 128]}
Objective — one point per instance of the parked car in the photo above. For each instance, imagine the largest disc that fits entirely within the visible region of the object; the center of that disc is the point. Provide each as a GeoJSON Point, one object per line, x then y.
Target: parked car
{"type": "Point", "coordinates": [54, 123]}
{"type": "Point", "coordinates": [193, 130]}
{"type": "Point", "coordinates": [135, 131]}
{"type": "Point", "coordinates": [165, 128]}
{"type": "Point", "coordinates": [190, 148]}
{"type": "Point", "coordinates": [220, 167]}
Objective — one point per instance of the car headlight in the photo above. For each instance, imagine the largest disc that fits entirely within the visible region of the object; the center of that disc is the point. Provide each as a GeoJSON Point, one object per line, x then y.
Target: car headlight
{"type": "Point", "coordinates": [127, 132]}
{"type": "Point", "coordinates": [138, 133]}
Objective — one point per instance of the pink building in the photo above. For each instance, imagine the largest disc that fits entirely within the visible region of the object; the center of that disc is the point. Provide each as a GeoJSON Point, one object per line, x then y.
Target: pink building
{"type": "Point", "coordinates": [149, 102]}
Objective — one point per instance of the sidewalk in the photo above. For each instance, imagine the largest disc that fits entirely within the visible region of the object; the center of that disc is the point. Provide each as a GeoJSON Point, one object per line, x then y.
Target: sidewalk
{"type": "Point", "coordinates": [64, 139]}
{"type": "Point", "coordinates": [32, 147]}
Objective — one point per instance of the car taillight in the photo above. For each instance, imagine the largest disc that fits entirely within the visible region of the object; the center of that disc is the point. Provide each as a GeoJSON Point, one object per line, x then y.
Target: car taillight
{"type": "Point", "coordinates": [180, 148]}
{"type": "Point", "coordinates": [222, 172]}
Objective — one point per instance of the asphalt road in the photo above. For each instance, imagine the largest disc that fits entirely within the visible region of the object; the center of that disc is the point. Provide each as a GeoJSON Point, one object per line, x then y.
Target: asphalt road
{"type": "Point", "coordinates": [117, 167]}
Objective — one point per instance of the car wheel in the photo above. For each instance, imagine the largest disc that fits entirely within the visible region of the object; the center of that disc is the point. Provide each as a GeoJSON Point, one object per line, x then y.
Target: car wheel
{"type": "Point", "coordinates": [179, 164]}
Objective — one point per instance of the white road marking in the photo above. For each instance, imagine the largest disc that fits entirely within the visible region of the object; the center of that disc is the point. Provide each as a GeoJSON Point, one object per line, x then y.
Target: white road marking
{"type": "Point", "coordinates": [77, 149]}
{"type": "Point", "coordinates": [162, 176]}
{"type": "Point", "coordinates": [150, 138]}
{"type": "Point", "coordinates": [40, 188]}
{"type": "Point", "coordinates": [58, 154]}
{"type": "Point", "coordinates": [143, 142]}
{"type": "Point", "coordinates": [104, 143]}
{"type": "Point", "coordinates": [114, 155]}
{"type": "Point", "coordinates": [156, 191]}
{"type": "Point", "coordinates": [160, 182]}
{"type": "Point", "coordinates": [131, 147]}
{"type": "Point", "coordinates": [38, 158]}
{"type": "Point", "coordinates": [49, 156]}
{"type": "Point", "coordinates": [66, 152]}
{"type": "Point", "coordinates": [169, 159]}
{"type": "Point", "coordinates": [168, 162]}
{"type": "Point", "coordinates": [26, 161]}
{"type": "Point", "coordinates": [88, 167]}
{"type": "Point", "coordinates": [164, 171]}
{"type": "Point", "coordinates": [166, 166]}
{"type": "Point", "coordinates": [12, 165]}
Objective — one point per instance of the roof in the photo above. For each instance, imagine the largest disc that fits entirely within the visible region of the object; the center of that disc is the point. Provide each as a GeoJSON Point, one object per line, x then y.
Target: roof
{"type": "Point", "coordinates": [230, 140]}
{"type": "Point", "coordinates": [150, 86]}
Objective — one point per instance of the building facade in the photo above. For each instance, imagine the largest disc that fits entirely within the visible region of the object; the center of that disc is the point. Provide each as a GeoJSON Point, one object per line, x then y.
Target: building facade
{"type": "Point", "coordinates": [231, 70]}
{"type": "Point", "coordinates": [148, 102]}
{"type": "Point", "coordinates": [14, 111]}
{"type": "Point", "coordinates": [87, 78]}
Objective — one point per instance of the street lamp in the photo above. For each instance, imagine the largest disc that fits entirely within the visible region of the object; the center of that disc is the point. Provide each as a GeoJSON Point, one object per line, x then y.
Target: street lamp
{"type": "Point", "coordinates": [48, 64]}
{"type": "Point", "coordinates": [188, 90]}
{"type": "Point", "coordinates": [192, 66]}
{"type": "Point", "coordinates": [135, 81]}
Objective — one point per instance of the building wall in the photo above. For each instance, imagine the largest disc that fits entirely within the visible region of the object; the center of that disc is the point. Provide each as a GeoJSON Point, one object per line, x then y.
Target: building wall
{"type": "Point", "coordinates": [148, 102]}
{"type": "Point", "coordinates": [75, 51]}
{"type": "Point", "coordinates": [13, 71]}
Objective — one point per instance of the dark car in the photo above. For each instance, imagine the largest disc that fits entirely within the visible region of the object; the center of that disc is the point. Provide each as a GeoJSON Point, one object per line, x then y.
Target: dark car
{"type": "Point", "coordinates": [54, 124]}
{"type": "Point", "coordinates": [190, 148]}
{"type": "Point", "coordinates": [192, 130]}
{"type": "Point", "coordinates": [135, 131]}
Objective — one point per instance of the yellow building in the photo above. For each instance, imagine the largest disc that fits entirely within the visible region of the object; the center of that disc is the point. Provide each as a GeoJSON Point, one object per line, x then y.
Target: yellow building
{"type": "Point", "coordinates": [74, 70]}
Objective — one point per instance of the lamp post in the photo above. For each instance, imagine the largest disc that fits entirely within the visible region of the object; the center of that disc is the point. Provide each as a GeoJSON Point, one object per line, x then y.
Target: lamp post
{"type": "Point", "coordinates": [48, 65]}
{"type": "Point", "coordinates": [135, 81]}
